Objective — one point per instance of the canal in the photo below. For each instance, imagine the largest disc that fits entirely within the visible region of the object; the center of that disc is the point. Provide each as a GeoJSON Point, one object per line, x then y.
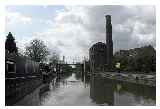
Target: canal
{"type": "Point", "coordinates": [73, 90]}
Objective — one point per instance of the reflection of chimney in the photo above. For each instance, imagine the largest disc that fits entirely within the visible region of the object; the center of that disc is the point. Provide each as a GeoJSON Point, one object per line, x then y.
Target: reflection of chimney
{"type": "Point", "coordinates": [109, 42]}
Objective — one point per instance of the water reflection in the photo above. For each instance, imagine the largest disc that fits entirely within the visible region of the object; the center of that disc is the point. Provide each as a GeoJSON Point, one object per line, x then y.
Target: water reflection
{"type": "Point", "coordinates": [75, 90]}
{"type": "Point", "coordinates": [110, 92]}
{"type": "Point", "coordinates": [102, 91]}
{"type": "Point", "coordinates": [68, 91]}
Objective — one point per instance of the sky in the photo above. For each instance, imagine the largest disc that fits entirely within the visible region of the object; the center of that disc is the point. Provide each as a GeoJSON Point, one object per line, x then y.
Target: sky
{"type": "Point", "coordinates": [72, 30]}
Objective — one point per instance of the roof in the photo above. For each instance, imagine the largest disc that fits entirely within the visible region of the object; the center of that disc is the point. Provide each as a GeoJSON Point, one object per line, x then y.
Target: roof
{"type": "Point", "coordinates": [98, 44]}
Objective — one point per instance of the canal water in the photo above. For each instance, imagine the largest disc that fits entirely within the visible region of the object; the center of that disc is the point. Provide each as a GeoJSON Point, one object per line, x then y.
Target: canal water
{"type": "Point", "coordinates": [73, 90]}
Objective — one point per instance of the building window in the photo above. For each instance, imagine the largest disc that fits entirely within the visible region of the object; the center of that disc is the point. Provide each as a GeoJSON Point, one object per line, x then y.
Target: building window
{"type": "Point", "coordinates": [11, 67]}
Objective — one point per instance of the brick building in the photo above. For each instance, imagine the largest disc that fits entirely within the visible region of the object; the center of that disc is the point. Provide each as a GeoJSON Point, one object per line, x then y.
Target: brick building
{"type": "Point", "coordinates": [97, 54]}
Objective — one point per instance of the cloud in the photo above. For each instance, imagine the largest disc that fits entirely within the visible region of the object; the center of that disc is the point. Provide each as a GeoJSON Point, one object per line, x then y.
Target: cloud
{"type": "Point", "coordinates": [131, 26]}
{"type": "Point", "coordinates": [74, 29]}
{"type": "Point", "coordinates": [16, 17]}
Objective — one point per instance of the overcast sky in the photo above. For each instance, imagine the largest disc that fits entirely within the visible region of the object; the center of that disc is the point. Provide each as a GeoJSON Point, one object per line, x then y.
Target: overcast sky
{"type": "Point", "coordinates": [72, 30]}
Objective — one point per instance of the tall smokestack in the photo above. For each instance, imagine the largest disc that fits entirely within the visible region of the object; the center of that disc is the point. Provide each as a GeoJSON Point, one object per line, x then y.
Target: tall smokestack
{"type": "Point", "coordinates": [109, 42]}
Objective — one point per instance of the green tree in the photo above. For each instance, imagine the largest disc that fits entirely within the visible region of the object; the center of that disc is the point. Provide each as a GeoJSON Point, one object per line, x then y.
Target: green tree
{"type": "Point", "coordinates": [139, 59]}
{"type": "Point", "coordinates": [10, 44]}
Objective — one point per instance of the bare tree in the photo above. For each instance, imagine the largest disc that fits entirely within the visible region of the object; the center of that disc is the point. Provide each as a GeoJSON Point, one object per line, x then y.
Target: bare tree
{"type": "Point", "coordinates": [54, 59]}
{"type": "Point", "coordinates": [37, 50]}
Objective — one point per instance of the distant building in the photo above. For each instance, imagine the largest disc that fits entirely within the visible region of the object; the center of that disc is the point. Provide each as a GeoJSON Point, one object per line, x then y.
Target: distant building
{"type": "Point", "coordinates": [63, 59]}
{"type": "Point", "coordinates": [101, 54]}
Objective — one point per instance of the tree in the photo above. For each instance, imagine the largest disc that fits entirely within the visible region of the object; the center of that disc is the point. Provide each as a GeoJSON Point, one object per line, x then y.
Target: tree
{"type": "Point", "coordinates": [138, 59]}
{"type": "Point", "coordinates": [54, 59]}
{"type": "Point", "coordinates": [10, 44]}
{"type": "Point", "coordinates": [37, 50]}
